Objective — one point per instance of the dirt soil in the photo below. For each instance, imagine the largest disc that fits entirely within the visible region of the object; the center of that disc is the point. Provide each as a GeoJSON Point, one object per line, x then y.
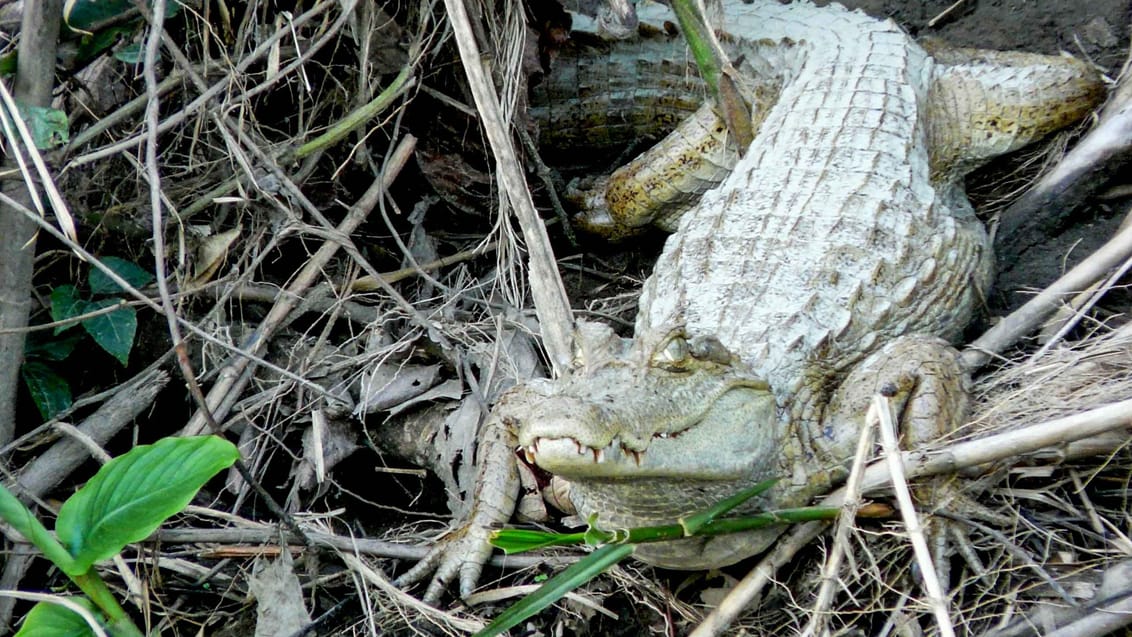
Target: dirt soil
{"type": "Point", "coordinates": [1094, 30]}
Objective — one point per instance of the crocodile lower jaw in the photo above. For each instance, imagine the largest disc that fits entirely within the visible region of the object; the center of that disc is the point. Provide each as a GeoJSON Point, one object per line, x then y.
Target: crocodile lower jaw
{"type": "Point", "coordinates": [725, 444]}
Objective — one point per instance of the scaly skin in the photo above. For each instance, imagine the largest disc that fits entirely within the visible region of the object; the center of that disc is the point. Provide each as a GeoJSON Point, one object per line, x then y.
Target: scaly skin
{"type": "Point", "coordinates": [608, 94]}
{"type": "Point", "coordinates": [603, 95]}
{"type": "Point", "coordinates": [832, 262]}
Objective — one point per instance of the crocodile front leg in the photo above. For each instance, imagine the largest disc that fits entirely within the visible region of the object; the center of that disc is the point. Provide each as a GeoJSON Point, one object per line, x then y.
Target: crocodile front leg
{"type": "Point", "coordinates": [923, 377]}
{"type": "Point", "coordinates": [930, 395]}
{"type": "Point", "coordinates": [928, 390]}
{"type": "Point", "coordinates": [466, 548]}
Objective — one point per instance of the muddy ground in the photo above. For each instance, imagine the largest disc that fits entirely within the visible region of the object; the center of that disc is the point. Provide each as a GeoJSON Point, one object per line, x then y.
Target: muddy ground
{"type": "Point", "coordinates": [1094, 30]}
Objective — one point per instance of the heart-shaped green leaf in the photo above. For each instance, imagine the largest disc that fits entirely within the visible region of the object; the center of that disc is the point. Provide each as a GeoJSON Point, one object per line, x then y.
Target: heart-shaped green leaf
{"type": "Point", "coordinates": [114, 332]}
{"type": "Point", "coordinates": [48, 126]}
{"type": "Point", "coordinates": [50, 347]}
{"type": "Point", "coordinates": [133, 273]}
{"type": "Point", "coordinates": [65, 304]}
{"type": "Point", "coordinates": [50, 391]}
{"type": "Point", "coordinates": [134, 493]}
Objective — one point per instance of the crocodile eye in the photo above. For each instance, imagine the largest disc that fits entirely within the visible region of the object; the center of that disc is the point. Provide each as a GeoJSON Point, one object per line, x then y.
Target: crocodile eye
{"type": "Point", "coordinates": [675, 354]}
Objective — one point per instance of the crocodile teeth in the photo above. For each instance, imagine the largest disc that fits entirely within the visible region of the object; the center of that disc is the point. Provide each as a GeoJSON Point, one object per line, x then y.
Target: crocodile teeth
{"type": "Point", "coordinates": [581, 449]}
{"type": "Point", "coordinates": [597, 454]}
{"type": "Point", "coordinates": [662, 435]}
{"type": "Point", "coordinates": [528, 455]}
{"type": "Point", "coordinates": [636, 454]}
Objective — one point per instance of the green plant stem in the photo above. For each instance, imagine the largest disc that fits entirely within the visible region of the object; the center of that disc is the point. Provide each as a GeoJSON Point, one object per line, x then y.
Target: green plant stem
{"type": "Point", "coordinates": [359, 116]}
{"type": "Point", "coordinates": [693, 523]}
{"type": "Point", "coordinates": [696, 34]}
{"type": "Point", "coordinates": [621, 543]}
{"type": "Point", "coordinates": [521, 540]}
{"type": "Point", "coordinates": [99, 593]}
{"type": "Point", "coordinates": [15, 513]}
{"type": "Point", "coordinates": [732, 525]}
{"type": "Point", "coordinates": [21, 518]}
{"type": "Point", "coordinates": [721, 77]}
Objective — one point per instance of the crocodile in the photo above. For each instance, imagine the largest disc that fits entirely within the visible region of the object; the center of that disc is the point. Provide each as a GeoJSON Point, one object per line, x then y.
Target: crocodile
{"type": "Point", "coordinates": [838, 257]}
{"type": "Point", "coordinates": [602, 96]}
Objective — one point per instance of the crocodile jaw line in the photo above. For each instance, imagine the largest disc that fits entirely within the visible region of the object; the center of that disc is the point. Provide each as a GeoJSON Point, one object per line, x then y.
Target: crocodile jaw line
{"type": "Point", "coordinates": [721, 433]}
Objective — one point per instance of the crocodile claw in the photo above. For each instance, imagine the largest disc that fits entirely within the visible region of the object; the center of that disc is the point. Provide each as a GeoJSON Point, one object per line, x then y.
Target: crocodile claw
{"type": "Point", "coordinates": [463, 552]}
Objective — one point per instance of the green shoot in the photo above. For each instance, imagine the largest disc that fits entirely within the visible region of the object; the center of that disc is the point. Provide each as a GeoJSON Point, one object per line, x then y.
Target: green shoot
{"type": "Point", "coordinates": [125, 501]}
{"type": "Point", "coordinates": [619, 544]}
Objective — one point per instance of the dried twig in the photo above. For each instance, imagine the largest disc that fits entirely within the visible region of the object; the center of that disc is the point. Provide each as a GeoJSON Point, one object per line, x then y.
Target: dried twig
{"type": "Point", "coordinates": [946, 12]}
{"type": "Point", "coordinates": [1023, 320]}
{"type": "Point", "coordinates": [819, 613]}
{"type": "Point", "coordinates": [551, 304]}
{"type": "Point", "coordinates": [263, 534]}
{"type": "Point", "coordinates": [205, 97]}
{"type": "Point", "coordinates": [880, 415]}
{"type": "Point", "coordinates": [232, 379]}
{"type": "Point", "coordinates": [145, 300]}
{"type": "Point", "coordinates": [35, 79]}
{"type": "Point", "coordinates": [1009, 445]}
{"type": "Point", "coordinates": [423, 610]}
{"type": "Point", "coordinates": [52, 467]}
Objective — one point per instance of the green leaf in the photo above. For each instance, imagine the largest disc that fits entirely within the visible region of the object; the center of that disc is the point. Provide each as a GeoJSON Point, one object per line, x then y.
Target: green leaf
{"type": "Point", "coordinates": [577, 574]}
{"type": "Point", "coordinates": [55, 620]}
{"type": "Point", "coordinates": [82, 15]}
{"type": "Point", "coordinates": [16, 514]}
{"type": "Point", "coordinates": [50, 391]}
{"type": "Point", "coordinates": [114, 332]}
{"type": "Point", "coordinates": [134, 493]}
{"type": "Point", "coordinates": [66, 304]}
{"type": "Point", "coordinates": [48, 126]}
{"type": "Point", "coordinates": [8, 63]}
{"type": "Point", "coordinates": [92, 46]}
{"type": "Point", "coordinates": [522, 540]}
{"type": "Point", "coordinates": [135, 275]}
{"type": "Point", "coordinates": [49, 347]}
{"type": "Point", "coordinates": [130, 54]}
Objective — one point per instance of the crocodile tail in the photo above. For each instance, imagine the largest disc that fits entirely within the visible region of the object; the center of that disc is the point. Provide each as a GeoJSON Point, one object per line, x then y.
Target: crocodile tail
{"type": "Point", "coordinates": [986, 103]}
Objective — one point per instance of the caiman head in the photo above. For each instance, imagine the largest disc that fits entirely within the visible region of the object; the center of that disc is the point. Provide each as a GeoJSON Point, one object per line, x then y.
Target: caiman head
{"type": "Point", "coordinates": [647, 434]}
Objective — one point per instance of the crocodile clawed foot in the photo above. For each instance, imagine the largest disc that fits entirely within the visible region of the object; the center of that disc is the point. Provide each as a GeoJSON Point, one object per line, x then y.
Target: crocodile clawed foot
{"type": "Point", "coordinates": [928, 393]}
{"type": "Point", "coordinates": [462, 554]}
